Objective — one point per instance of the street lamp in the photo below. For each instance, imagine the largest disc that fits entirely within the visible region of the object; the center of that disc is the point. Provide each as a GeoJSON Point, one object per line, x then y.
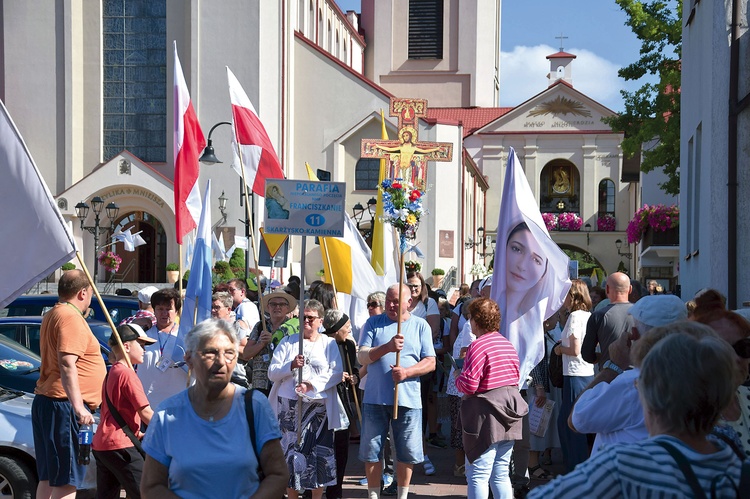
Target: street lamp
{"type": "Point", "coordinates": [223, 207]}
{"type": "Point", "coordinates": [618, 245]}
{"type": "Point", "coordinates": [209, 157]}
{"type": "Point", "coordinates": [358, 212]}
{"type": "Point", "coordinates": [82, 210]}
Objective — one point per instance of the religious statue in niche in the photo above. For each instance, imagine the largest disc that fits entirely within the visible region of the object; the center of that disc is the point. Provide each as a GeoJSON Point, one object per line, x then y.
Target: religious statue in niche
{"type": "Point", "coordinates": [408, 156]}
{"type": "Point", "coordinates": [561, 183]}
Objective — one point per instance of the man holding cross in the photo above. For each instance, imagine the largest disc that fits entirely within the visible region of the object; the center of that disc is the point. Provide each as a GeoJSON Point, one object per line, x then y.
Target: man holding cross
{"type": "Point", "coordinates": [379, 343]}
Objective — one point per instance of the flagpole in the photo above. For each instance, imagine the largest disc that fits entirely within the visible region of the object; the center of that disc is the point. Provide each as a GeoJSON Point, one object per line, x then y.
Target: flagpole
{"type": "Point", "coordinates": [354, 387]}
{"type": "Point", "coordinates": [179, 277]}
{"type": "Point", "coordinates": [104, 308]}
{"type": "Point", "coordinates": [301, 316]}
{"type": "Point", "coordinates": [330, 271]}
{"type": "Point", "coordinates": [249, 221]}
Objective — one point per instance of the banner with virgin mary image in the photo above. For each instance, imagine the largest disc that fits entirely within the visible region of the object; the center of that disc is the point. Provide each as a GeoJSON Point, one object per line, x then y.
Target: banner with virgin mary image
{"type": "Point", "coordinates": [530, 279]}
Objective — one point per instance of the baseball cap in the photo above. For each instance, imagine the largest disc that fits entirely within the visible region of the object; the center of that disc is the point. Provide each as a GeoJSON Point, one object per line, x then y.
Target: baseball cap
{"type": "Point", "coordinates": [144, 295]}
{"type": "Point", "coordinates": [487, 281]}
{"type": "Point", "coordinates": [658, 310]}
{"type": "Point", "coordinates": [129, 332]}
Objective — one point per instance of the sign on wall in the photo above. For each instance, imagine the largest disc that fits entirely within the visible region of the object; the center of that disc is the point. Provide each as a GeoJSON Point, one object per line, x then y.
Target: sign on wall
{"type": "Point", "coordinates": [305, 208]}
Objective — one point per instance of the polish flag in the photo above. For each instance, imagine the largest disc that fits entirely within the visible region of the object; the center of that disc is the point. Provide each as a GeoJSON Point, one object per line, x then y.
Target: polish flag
{"type": "Point", "coordinates": [188, 146]}
{"type": "Point", "coordinates": [258, 155]}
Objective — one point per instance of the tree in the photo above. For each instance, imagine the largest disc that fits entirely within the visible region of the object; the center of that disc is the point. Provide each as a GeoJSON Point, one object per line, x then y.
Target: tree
{"type": "Point", "coordinates": [652, 112]}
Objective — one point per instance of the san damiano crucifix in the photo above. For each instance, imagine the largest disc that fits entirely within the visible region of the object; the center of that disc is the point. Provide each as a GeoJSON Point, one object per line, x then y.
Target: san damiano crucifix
{"type": "Point", "coordinates": [407, 156]}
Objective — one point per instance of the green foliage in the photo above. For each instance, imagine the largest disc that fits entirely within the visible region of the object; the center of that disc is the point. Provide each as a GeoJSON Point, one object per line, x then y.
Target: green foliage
{"type": "Point", "coordinates": [653, 110]}
{"type": "Point", "coordinates": [222, 271]}
{"type": "Point", "coordinates": [68, 266]}
{"type": "Point", "coordinates": [186, 275]}
{"type": "Point", "coordinates": [237, 261]}
{"type": "Point", "coordinates": [438, 272]}
{"type": "Point", "coordinates": [173, 266]}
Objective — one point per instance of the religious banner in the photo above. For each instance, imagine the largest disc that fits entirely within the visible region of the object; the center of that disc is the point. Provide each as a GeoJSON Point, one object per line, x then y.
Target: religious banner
{"type": "Point", "coordinates": [304, 208]}
{"type": "Point", "coordinates": [408, 156]}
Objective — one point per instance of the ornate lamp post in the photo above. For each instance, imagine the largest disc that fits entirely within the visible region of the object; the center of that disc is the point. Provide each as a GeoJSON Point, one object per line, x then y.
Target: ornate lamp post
{"type": "Point", "coordinates": [82, 210]}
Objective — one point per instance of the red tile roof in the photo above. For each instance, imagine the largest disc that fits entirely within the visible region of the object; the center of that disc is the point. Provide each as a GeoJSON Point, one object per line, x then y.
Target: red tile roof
{"type": "Point", "coordinates": [561, 55]}
{"type": "Point", "coordinates": [472, 118]}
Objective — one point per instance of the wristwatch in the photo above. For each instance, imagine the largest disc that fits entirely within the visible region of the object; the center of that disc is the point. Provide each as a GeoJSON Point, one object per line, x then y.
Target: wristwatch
{"type": "Point", "coordinates": [611, 365]}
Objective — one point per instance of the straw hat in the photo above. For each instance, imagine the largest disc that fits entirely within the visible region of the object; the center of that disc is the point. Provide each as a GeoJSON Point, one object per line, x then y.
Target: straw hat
{"type": "Point", "coordinates": [279, 293]}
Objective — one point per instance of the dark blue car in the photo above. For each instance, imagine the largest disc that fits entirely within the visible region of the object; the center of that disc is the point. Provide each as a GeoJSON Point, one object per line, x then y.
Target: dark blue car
{"type": "Point", "coordinates": [19, 366]}
{"type": "Point", "coordinates": [119, 307]}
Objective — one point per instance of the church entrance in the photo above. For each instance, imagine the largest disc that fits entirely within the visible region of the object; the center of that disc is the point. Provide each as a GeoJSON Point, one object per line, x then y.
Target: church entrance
{"type": "Point", "coordinates": [148, 262]}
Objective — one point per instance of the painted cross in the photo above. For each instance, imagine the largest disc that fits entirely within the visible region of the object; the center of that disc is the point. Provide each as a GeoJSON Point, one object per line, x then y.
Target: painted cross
{"type": "Point", "coordinates": [407, 156]}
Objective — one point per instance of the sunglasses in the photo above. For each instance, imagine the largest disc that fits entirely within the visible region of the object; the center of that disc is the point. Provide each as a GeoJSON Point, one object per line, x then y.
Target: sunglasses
{"type": "Point", "coordinates": [742, 348]}
{"type": "Point", "coordinates": [311, 318]}
{"type": "Point", "coordinates": [373, 304]}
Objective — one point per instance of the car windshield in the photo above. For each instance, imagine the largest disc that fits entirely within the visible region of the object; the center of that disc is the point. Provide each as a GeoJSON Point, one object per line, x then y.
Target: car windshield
{"type": "Point", "coordinates": [14, 358]}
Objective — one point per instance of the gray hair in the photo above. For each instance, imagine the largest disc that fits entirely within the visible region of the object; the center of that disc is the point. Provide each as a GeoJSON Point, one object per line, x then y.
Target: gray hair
{"type": "Point", "coordinates": [316, 306]}
{"type": "Point", "coordinates": [204, 331]}
{"type": "Point", "coordinates": [691, 402]}
{"type": "Point", "coordinates": [377, 296]}
{"type": "Point", "coordinates": [332, 316]}
{"type": "Point", "coordinates": [224, 297]}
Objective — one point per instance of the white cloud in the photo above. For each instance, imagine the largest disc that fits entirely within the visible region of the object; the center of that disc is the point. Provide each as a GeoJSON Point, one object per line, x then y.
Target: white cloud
{"type": "Point", "coordinates": [523, 74]}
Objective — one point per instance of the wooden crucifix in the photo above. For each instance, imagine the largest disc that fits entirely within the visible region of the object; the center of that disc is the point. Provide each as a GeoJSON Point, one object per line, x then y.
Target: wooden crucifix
{"type": "Point", "coordinates": [407, 156]}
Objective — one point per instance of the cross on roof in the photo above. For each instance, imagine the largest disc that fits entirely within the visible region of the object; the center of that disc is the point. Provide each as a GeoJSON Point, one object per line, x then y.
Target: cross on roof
{"type": "Point", "coordinates": [561, 38]}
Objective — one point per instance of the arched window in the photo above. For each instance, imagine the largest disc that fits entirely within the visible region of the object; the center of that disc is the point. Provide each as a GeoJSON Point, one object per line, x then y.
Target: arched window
{"type": "Point", "coordinates": [337, 47]}
{"type": "Point", "coordinates": [346, 52]}
{"type": "Point", "coordinates": [311, 35]}
{"type": "Point", "coordinates": [366, 174]}
{"type": "Point", "coordinates": [320, 27]}
{"type": "Point", "coordinates": [560, 187]}
{"type": "Point", "coordinates": [329, 41]}
{"type": "Point", "coordinates": [606, 197]}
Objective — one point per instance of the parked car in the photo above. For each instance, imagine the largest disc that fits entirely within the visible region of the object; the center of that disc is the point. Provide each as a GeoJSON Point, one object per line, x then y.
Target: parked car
{"type": "Point", "coordinates": [119, 307]}
{"type": "Point", "coordinates": [25, 330]}
{"type": "Point", "coordinates": [18, 478]}
{"type": "Point", "coordinates": [19, 366]}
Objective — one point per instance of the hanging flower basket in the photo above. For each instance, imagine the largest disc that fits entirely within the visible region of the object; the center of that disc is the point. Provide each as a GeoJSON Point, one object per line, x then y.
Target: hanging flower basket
{"type": "Point", "coordinates": [550, 220]}
{"type": "Point", "coordinates": [412, 266]}
{"type": "Point", "coordinates": [569, 221]}
{"type": "Point", "coordinates": [110, 261]}
{"type": "Point", "coordinates": [402, 206]}
{"type": "Point", "coordinates": [606, 223]}
{"type": "Point", "coordinates": [659, 218]}
{"type": "Point", "coordinates": [478, 270]}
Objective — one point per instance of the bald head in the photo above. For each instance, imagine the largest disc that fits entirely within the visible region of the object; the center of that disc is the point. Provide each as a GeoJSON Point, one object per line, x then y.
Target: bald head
{"type": "Point", "coordinates": [618, 287]}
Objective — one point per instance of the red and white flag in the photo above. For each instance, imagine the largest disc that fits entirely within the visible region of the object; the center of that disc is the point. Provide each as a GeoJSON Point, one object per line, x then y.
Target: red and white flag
{"type": "Point", "coordinates": [188, 146]}
{"type": "Point", "coordinates": [258, 155]}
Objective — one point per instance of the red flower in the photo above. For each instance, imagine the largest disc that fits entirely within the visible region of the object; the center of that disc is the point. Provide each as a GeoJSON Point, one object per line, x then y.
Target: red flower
{"type": "Point", "coordinates": [396, 185]}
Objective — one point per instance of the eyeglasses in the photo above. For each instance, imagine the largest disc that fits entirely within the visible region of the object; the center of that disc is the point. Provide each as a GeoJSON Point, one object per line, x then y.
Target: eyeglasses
{"type": "Point", "coordinates": [211, 354]}
{"type": "Point", "coordinates": [232, 290]}
{"type": "Point", "coordinates": [373, 304]}
{"type": "Point", "coordinates": [217, 307]}
{"type": "Point", "coordinates": [274, 304]}
{"type": "Point", "coordinates": [414, 286]}
{"type": "Point", "coordinates": [311, 318]}
{"type": "Point", "coordinates": [742, 348]}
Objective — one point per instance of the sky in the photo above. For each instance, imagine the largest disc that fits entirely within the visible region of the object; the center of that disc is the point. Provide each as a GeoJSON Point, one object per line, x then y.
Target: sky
{"type": "Point", "coordinates": [596, 33]}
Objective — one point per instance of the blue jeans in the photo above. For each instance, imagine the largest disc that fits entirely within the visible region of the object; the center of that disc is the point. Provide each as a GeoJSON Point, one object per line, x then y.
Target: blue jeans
{"type": "Point", "coordinates": [575, 446]}
{"type": "Point", "coordinates": [490, 468]}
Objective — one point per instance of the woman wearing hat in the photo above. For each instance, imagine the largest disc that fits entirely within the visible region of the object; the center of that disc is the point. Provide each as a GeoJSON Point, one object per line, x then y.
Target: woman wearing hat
{"type": "Point", "coordinates": [338, 327]}
{"type": "Point", "coordinates": [260, 344]}
{"type": "Point", "coordinates": [119, 463]}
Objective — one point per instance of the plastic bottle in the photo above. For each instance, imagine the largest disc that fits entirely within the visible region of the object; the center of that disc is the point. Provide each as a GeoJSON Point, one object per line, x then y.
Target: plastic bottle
{"type": "Point", "coordinates": [85, 436]}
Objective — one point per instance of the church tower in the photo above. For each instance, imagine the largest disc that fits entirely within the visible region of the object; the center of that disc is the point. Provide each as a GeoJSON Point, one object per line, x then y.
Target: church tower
{"type": "Point", "coordinates": [560, 67]}
{"type": "Point", "coordinates": [449, 49]}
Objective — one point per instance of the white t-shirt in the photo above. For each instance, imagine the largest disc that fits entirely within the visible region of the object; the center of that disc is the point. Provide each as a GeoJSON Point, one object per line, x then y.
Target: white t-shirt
{"type": "Point", "coordinates": [463, 340]}
{"type": "Point", "coordinates": [160, 384]}
{"type": "Point", "coordinates": [576, 326]}
{"type": "Point", "coordinates": [247, 311]}
{"type": "Point", "coordinates": [424, 312]}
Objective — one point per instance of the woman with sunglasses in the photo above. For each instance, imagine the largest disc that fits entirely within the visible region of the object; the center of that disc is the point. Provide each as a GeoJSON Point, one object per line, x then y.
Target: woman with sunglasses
{"type": "Point", "coordinates": [311, 462]}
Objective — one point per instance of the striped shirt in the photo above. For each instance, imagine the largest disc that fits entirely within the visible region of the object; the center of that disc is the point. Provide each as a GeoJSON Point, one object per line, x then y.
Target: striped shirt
{"type": "Point", "coordinates": [491, 362]}
{"type": "Point", "coordinates": [645, 469]}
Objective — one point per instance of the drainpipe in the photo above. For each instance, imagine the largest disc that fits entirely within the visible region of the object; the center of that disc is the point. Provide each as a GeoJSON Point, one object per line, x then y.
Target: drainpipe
{"type": "Point", "coordinates": [734, 66]}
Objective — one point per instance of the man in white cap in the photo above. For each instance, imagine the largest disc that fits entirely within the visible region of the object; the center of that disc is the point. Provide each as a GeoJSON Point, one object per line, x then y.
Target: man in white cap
{"type": "Point", "coordinates": [144, 304]}
{"type": "Point", "coordinates": [610, 406]}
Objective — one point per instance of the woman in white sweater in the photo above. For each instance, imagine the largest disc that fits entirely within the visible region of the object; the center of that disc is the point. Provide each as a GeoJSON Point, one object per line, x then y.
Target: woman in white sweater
{"type": "Point", "coordinates": [577, 373]}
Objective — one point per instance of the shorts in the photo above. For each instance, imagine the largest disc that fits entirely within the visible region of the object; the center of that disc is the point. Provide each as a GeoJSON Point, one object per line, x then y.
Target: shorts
{"type": "Point", "coordinates": [56, 442]}
{"type": "Point", "coordinates": [407, 433]}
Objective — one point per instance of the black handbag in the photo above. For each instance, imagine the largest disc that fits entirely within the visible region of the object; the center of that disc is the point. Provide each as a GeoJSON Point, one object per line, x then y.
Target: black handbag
{"type": "Point", "coordinates": [555, 368]}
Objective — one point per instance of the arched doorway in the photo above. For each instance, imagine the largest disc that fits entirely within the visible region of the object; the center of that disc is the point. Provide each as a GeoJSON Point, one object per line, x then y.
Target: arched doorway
{"type": "Point", "coordinates": [148, 262]}
{"type": "Point", "coordinates": [588, 265]}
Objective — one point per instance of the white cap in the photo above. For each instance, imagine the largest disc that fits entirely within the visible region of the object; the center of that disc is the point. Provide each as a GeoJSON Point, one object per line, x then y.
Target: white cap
{"type": "Point", "coordinates": [144, 295]}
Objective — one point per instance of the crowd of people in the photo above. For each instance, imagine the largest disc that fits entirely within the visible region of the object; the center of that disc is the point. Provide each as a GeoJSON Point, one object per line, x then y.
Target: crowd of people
{"type": "Point", "coordinates": [265, 398]}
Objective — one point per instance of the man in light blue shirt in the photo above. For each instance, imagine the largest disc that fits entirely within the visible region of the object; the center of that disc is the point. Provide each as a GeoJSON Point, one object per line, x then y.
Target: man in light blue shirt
{"type": "Point", "coordinates": [378, 346]}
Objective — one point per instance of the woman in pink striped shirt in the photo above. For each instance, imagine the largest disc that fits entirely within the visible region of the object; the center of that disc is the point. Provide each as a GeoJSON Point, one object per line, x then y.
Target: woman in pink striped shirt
{"type": "Point", "coordinates": [492, 407]}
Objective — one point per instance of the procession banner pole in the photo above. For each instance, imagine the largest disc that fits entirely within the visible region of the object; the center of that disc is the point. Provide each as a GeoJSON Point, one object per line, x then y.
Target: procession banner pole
{"type": "Point", "coordinates": [101, 303]}
{"type": "Point", "coordinates": [354, 389]}
{"type": "Point", "coordinates": [402, 241]}
{"type": "Point", "coordinates": [301, 334]}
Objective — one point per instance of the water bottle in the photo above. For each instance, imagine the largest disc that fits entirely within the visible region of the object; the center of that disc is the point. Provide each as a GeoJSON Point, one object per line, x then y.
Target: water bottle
{"type": "Point", "coordinates": [85, 436]}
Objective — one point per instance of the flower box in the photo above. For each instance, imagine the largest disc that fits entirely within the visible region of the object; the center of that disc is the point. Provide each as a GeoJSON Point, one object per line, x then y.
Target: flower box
{"type": "Point", "coordinates": [669, 237]}
{"type": "Point", "coordinates": [658, 218]}
{"type": "Point", "coordinates": [569, 221]}
{"type": "Point", "coordinates": [606, 223]}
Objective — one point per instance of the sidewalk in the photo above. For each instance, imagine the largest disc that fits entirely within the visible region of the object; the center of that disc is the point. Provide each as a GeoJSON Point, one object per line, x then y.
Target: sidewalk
{"type": "Point", "coordinates": [441, 484]}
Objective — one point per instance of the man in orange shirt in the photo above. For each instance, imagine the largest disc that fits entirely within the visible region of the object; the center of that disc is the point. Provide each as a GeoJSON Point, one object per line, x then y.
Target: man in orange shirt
{"type": "Point", "coordinates": [68, 390]}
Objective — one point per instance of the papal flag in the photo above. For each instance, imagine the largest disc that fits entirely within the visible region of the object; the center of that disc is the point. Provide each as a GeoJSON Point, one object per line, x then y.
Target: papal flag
{"type": "Point", "coordinates": [531, 271]}
{"type": "Point", "coordinates": [28, 209]}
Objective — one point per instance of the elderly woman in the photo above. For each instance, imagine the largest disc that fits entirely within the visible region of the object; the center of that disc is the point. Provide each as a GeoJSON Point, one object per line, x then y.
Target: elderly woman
{"type": "Point", "coordinates": [199, 441]}
{"type": "Point", "coordinates": [680, 412]}
{"type": "Point", "coordinates": [311, 462]}
{"type": "Point", "coordinates": [338, 327]}
{"type": "Point", "coordinates": [492, 408]}
{"type": "Point", "coordinates": [260, 344]}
